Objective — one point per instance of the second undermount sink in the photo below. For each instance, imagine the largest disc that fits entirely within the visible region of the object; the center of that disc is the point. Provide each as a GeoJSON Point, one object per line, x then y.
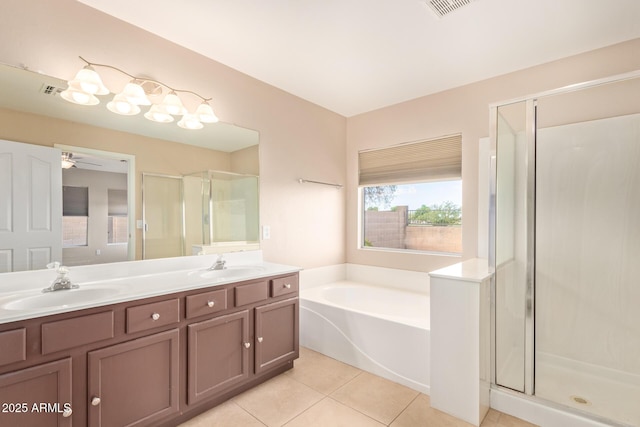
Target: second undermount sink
{"type": "Point", "coordinates": [59, 298]}
{"type": "Point", "coordinates": [231, 272]}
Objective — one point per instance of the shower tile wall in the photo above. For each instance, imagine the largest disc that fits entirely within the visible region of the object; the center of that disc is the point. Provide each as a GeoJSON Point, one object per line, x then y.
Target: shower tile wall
{"type": "Point", "coordinates": [588, 261]}
{"type": "Point", "coordinates": [588, 198]}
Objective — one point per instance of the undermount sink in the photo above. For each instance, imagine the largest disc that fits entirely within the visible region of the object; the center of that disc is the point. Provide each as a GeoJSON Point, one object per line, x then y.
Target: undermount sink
{"type": "Point", "coordinates": [59, 298]}
{"type": "Point", "coordinates": [230, 272]}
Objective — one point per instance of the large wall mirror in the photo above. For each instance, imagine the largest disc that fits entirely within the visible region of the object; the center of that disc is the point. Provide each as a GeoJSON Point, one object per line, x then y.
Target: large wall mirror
{"type": "Point", "coordinates": [99, 216]}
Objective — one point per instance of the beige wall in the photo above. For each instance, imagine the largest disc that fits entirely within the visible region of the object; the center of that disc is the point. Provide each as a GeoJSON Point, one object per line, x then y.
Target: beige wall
{"type": "Point", "coordinates": [464, 109]}
{"type": "Point", "coordinates": [311, 225]}
{"type": "Point", "coordinates": [297, 138]}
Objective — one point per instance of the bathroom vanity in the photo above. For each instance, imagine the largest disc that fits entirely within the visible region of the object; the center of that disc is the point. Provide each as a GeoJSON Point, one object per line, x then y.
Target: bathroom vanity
{"type": "Point", "coordinates": [152, 353]}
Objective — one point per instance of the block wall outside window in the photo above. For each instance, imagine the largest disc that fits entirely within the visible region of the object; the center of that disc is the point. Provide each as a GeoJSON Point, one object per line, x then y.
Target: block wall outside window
{"type": "Point", "coordinates": [74, 231]}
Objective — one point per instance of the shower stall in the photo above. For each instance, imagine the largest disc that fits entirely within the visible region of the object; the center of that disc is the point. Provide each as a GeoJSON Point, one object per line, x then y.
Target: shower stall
{"type": "Point", "coordinates": [565, 247]}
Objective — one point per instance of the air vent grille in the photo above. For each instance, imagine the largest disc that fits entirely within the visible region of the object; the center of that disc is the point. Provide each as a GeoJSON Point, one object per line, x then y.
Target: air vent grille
{"type": "Point", "coordinates": [50, 90]}
{"type": "Point", "coordinates": [444, 7]}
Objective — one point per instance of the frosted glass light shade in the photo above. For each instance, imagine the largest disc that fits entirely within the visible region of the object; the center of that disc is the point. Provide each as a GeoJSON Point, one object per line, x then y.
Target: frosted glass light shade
{"type": "Point", "coordinates": [89, 81]}
{"type": "Point", "coordinates": [205, 113]}
{"type": "Point", "coordinates": [190, 121]}
{"type": "Point", "coordinates": [67, 164]}
{"type": "Point", "coordinates": [79, 97]}
{"type": "Point", "coordinates": [135, 94]}
{"type": "Point", "coordinates": [121, 105]}
{"type": "Point", "coordinates": [171, 104]}
{"type": "Point", "coordinates": [156, 115]}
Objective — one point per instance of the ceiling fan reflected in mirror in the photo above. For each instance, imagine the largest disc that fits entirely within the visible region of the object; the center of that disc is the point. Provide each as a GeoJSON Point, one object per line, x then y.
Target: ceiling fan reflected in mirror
{"type": "Point", "coordinates": [69, 161]}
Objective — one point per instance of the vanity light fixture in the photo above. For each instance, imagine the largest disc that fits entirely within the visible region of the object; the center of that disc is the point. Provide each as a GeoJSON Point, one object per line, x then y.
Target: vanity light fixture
{"type": "Point", "coordinates": [88, 80]}
{"type": "Point", "coordinates": [156, 115]}
{"type": "Point", "coordinates": [190, 121]}
{"type": "Point", "coordinates": [122, 105]}
{"type": "Point", "coordinates": [87, 84]}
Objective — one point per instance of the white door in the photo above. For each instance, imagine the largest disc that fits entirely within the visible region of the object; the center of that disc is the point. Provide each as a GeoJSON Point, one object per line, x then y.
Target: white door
{"type": "Point", "coordinates": [30, 206]}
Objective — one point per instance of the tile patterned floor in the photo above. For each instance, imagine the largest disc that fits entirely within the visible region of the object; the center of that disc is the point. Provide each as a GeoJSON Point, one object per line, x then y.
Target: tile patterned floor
{"type": "Point", "coordinates": [322, 392]}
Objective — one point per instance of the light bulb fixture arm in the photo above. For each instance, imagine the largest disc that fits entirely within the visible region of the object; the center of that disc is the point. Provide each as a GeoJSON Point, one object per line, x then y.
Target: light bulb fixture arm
{"type": "Point", "coordinates": [144, 79]}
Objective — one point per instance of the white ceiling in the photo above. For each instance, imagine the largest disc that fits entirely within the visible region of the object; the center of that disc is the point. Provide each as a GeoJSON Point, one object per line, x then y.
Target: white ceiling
{"type": "Point", "coordinates": [354, 56]}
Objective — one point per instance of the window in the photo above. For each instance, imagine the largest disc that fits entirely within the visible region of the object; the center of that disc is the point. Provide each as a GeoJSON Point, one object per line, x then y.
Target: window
{"type": "Point", "coordinates": [117, 221]}
{"type": "Point", "coordinates": [411, 196]}
{"type": "Point", "coordinates": [75, 216]}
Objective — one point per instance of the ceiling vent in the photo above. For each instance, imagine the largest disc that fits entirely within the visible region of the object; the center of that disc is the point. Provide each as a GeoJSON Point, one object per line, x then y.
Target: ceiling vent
{"type": "Point", "coordinates": [50, 90]}
{"type": "Point", "coordinates": [444, 7]}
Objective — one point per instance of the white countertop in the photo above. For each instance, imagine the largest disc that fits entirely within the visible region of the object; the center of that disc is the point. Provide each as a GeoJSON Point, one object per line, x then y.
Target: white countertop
{"type": "Point", "coordinates": [127, 281]}
{"type": "Point", "coordinates": [473, 270]}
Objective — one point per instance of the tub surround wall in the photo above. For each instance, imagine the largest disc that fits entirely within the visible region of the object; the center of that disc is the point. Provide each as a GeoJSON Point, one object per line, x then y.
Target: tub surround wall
{"type": "Point", "coordinates": [412, 281]}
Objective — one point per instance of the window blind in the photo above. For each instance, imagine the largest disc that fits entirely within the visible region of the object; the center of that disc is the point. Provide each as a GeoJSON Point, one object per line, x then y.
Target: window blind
{"type": "Point", "coordinates": [435, 159]}
{"type": "Point", "coordinates": [75, 201]}
{"type": "Point", "coordinates": [117, 201]}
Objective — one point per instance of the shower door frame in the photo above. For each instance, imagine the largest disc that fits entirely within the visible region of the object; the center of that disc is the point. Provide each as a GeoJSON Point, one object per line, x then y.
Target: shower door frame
{"type": "Point", "coordinates": [530, 135]}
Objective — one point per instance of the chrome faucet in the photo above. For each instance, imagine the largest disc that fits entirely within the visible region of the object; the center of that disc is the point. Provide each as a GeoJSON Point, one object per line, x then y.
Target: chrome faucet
{"type": "Point", "coordinates": [219, 265]}
{"type": "Point", "coordinates": [62, 282]}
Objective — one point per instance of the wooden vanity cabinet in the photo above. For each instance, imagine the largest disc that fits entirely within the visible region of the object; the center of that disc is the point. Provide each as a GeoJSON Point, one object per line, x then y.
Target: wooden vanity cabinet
{"type": "Point", "coordinates": [152, 362]}
{"type": "Point", "coordinates": [218, 354]}
{"type": "Point", "coordinates": [24, 392]}
{"type": "Point", "coordinates": [135, 382]}
{"type": "Point", "coordinates": [276, 335]}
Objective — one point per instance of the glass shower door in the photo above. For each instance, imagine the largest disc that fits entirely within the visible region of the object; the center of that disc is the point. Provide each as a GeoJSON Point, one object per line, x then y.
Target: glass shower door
{"type": "Point", "coordinates": [511, 245]}
{"type": "Point", "coordinates": [163, 216]}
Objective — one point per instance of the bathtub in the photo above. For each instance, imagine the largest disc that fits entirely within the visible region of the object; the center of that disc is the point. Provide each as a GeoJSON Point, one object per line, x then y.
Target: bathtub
{"type": "Point", "coordinates": [381, 330]}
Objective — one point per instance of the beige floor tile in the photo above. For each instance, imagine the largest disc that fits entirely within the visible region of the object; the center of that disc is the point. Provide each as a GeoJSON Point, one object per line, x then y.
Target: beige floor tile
{"type": "Point", "coordinates": [509, 421]}
{"type": "Point", "coordinates": [492, 415]}
{"type": "Point", "coordinates": [329, 413]}
{"type": "Point", "coordinates": [278, 400]}
{"type": "Point", "coordinates": [420, 413]}
{"type": "Point", "coordinates": [376, 397]}
{"type": "Point", "coordinates": [320, 372]}
{"type": "Point", "coordinates": [225, 415]}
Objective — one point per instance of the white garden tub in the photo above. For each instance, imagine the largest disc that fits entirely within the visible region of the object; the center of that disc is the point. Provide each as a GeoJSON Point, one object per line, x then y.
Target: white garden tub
{"type": "Point", "coordinates": [381, 330]}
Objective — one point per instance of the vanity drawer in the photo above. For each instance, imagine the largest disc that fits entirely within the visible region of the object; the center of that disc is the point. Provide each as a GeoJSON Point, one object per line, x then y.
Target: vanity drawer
{"type": "Point", "coordinates": [251, 292]}
{"type": "Point", "coordinates": [69, 333]}
{"type": "Point", "coordinates": [207, 302]}
{"type": "Point", "coordinates": [13, 346]}
{"type": "Point", "coordinates": [284, 285]}
{"type": "Point", "coordinates": [156, 314]}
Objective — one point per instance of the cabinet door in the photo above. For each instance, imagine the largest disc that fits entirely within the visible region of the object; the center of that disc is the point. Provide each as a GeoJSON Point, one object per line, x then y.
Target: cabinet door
{"type": "Point", "coordinates": [134, 383]}
{"type": "Point", "coordinates": [276, 334]}
{"type": "Point", "coordinates": [38, 396]}
{"type": "Point", "coordinates": [218, 354]}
